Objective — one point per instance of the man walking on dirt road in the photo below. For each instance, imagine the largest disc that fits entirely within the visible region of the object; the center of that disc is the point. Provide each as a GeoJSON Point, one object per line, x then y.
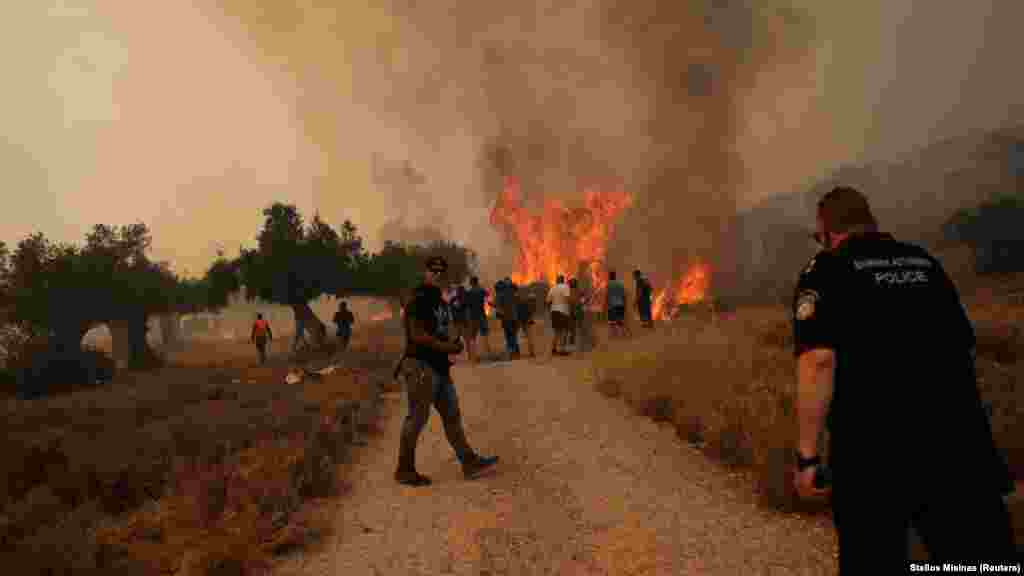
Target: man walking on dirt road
{"type": "Point", "coordinates": [426, 375]}
{"type": "Point", "coordinates": [885, 359]}
{"type": "Point", "coordinates": [261, 334]}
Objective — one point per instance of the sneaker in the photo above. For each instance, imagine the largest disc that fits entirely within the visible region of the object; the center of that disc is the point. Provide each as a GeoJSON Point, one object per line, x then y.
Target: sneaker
{"type": "Point", "coordinates": [412, 479]}
{"type": "Point", "coordinates": [473, 468]}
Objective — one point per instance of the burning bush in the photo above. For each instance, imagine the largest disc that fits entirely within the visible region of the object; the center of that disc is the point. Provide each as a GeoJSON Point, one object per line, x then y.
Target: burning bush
{"type": "Point", "coordinates": [562, 240]}
{"type": "Point", "coordinates": [558, 239]}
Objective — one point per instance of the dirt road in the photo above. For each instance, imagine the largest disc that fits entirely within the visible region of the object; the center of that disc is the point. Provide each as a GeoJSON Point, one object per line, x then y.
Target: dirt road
{"type": "Point", "coordinates": [585, 487]}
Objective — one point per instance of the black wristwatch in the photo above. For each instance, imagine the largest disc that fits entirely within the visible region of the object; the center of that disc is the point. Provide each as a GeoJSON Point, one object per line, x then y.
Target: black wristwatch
{"type": "Point", "coordinates": [805, 463]}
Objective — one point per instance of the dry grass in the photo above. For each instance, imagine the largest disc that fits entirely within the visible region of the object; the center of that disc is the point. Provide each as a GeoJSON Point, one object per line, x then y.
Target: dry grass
{"type": "Point", "coordinates": [728, 386]}
{"type": "Point", "coordinates": [721, 385]}
{"type": "Point", "coordinates": [209, 466]}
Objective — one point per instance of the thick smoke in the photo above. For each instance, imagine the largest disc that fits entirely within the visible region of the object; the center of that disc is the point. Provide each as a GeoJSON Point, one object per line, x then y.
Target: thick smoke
{"type": "Point", "coordinates": [699, 107]}
{"type": "Point", "coordinates": [643, 92]}
{"type": "Point", "coordinates": [448, 97]}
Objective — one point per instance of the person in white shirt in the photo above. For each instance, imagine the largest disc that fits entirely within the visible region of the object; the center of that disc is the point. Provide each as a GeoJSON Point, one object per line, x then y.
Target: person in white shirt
{"type": "Point", "coordinates": [559, 300]}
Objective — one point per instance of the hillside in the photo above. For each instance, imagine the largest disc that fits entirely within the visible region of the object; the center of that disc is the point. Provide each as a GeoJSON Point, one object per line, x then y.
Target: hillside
{"type": "Point", "coordinates": [912, 197]}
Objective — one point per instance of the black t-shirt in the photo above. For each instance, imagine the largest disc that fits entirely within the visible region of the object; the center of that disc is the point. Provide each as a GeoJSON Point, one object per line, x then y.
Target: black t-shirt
{"type": "Point", "coordinates": [905, 386]}
{"type": "Point", "coordinates": [524, 310]}
{"type": "Point", "coordinates": [475, 298]}
{"type": "Point", "coordinates": [429, 308]}
{"type": "Point", "coordinates": [506, 296]}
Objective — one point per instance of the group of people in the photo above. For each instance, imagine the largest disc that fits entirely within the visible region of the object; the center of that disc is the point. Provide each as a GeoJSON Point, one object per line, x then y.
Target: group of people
{"type": "Point", "coordinates": [467, 308]}
{"type": "Point", "coordinates": [617, 299]}
{"type": "Point", "coordinates": [261, 334]}
{"type": "Point", "coordinates": [879, 330]}
{"type": "Point", "coordinates": [515, 307]}
{"type": "Point", "coordinates": [567, 303]}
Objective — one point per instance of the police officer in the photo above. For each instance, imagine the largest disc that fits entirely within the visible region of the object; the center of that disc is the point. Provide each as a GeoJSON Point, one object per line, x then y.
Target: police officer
{"type": "Point", "coordinates": [426, 375]}
{"type": "Point", "coordinates": [884, 345]}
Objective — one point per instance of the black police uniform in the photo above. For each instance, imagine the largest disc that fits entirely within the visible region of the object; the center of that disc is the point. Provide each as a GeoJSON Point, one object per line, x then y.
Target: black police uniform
{"type": "Point", "coordinates": [909, 440]}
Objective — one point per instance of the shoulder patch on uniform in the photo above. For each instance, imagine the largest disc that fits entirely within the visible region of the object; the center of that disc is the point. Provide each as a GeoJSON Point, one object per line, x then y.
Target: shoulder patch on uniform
{"type": "Point", "coordinates": [806, 302]}
{"type": "Point", "coordinates": [810, 265]}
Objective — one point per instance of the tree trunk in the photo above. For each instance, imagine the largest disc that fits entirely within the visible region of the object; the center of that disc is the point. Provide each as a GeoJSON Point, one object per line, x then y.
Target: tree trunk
{"type": "Point", "coordinates": [316, 329]}
{"type": "Point", "coordinates": [170, 331]}
{"type": "Point", "coordinates": [129, 341]}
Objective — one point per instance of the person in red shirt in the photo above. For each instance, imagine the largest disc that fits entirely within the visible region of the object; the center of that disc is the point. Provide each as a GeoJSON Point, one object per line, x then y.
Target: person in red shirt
{"type": "Point", "coordinates": [261, 334]}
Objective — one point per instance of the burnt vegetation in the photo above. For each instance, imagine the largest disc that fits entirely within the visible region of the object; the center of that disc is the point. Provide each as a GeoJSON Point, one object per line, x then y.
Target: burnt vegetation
{"type": "Point", "coordinates": [52, 294]}
{"type": "Point", "coordinates": [175, 460]}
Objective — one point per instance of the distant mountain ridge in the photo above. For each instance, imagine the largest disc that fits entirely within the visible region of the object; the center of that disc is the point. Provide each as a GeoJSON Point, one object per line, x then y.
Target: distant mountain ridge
{"type": "Point", "coordinates": [912, 196]}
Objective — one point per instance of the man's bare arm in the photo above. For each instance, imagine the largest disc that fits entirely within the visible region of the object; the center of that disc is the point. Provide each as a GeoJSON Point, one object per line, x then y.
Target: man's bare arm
{"type": "Point", "coordinates": [815, 373]}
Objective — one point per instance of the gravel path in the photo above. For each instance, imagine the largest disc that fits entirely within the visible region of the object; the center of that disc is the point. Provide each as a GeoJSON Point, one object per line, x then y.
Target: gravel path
{"type": "Point", "coordinates": [584, 487]}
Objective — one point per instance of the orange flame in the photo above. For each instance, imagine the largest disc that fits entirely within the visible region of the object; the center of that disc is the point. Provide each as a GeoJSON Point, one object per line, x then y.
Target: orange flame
{"type": "Point", "coordinates": [560, 238]}
{"type": "Point", "coordinates": [691, 288]}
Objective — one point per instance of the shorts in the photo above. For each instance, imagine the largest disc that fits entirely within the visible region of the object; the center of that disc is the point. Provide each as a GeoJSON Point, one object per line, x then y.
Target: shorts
{"type": "Point", "coordinates": [559, 321]}
{"type": "Point", "coordinates": [617, 315]}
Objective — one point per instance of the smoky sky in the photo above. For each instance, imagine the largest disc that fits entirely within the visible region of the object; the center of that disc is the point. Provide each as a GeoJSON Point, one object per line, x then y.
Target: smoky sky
{"type": "Point", "coordinates": [648, 93]}
{"type": "Point", "coordinates": [194, 116]}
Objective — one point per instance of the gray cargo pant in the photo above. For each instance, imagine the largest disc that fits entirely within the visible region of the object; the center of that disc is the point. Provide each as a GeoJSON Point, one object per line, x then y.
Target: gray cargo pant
{"type": "Point", "coordinates": [424, 386]}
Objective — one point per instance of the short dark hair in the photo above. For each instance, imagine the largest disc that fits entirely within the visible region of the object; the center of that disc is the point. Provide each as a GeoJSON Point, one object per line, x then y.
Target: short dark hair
{"type": "Point", "coordinates": [845, 209]}
{"type": "Point", "coordinates": [259, 316]}
{"type": "Point", "coordinates": [474, 280]}
{"type": "Point", "coordinates": [437, 264]}
{"type": "Point", "coordinates": [611, 274]}
{"type": "Point", "coordinates": [561, 278]}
